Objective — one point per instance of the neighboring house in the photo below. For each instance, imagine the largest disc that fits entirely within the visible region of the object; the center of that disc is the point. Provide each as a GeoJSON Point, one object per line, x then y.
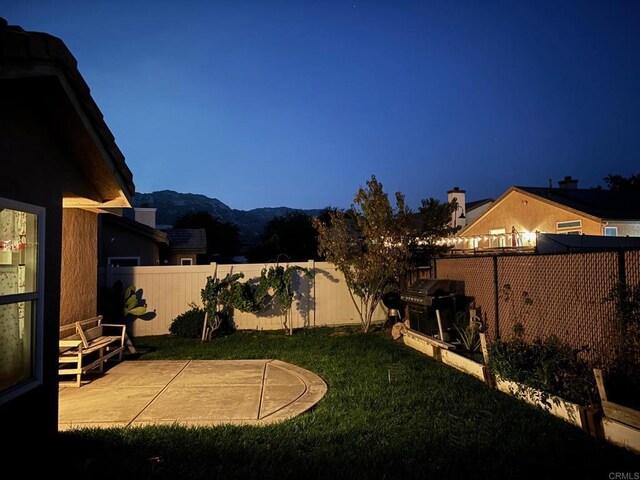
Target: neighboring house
{"type": "Point", "coordinates": [516, 216]}
{"type": "Point", "coordinates": [124, 242]}
{"type": "Point", "coordinates": [185, 244]}
{"type": "Point", "coordinates": [467, 212]}
{"type": "Point", "coordinates": [60, 165]}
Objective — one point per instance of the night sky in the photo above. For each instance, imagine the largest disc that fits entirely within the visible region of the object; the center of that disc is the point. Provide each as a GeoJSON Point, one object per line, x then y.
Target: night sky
{"type": "Point", "coordinates": [298, 103]}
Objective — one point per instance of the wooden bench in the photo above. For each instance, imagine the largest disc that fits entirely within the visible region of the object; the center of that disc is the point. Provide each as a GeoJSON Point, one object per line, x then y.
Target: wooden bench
{"type": "Point", "coordinates": [85, 346]}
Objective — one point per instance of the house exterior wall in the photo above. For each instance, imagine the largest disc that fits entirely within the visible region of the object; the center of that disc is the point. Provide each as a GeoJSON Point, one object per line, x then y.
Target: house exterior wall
{"type": "Point", "coordinates": [78, 282]}
{"type": "Point", "coordinates": [175, 258]}
{"type": "Point", "coordinates": [35, 169]}
{"type": "Point", "coordinates": [631, 229]}
{"type": "Point", "coordinates": [120, 242]}
{"type": "Point", "coordinates": [45, 154]}
{"type": "Point", "coordinates": [528, 214]}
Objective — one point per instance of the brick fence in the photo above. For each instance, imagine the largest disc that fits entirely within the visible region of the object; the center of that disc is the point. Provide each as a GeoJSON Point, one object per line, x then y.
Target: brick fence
{"type": "Point", "coordinates": [566, 292]}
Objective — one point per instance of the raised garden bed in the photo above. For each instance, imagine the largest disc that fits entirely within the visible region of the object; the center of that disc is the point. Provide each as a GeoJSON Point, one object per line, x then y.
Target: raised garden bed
{"type": "Point", "coordinates": [587, 418]}
{"type": "Point", "coordinates": [621, 424]}
{"type": "Point", "coordinates": [559, 407]}
{"type": "Point", "coordinates": [441, 351]}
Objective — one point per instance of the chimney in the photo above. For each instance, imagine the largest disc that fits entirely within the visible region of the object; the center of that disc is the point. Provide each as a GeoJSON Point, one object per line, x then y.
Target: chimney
{"type": "Point", "coordinates": [568, 182]}
{"type": "Point", "coordinates": [458, 218]}
{"type": "Point", "coordinates": [146, 216]}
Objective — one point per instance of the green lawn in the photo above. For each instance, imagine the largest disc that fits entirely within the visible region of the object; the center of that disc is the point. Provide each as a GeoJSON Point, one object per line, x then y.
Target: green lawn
{"type": "Point", "coordinates": [434, 422]}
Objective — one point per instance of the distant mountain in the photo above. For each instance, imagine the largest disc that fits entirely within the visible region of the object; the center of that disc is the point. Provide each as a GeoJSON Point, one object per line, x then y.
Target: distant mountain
{"type": "Point", "coordinates": [172, 205]}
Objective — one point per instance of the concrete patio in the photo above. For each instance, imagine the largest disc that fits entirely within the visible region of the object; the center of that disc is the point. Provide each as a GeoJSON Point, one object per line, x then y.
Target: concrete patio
{"type": "Point", "coordinates": [191, 393]}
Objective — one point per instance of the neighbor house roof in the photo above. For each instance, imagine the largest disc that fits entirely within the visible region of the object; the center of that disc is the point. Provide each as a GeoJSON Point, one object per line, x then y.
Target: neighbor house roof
{"type": "Point", "coordinates": [136, 227]}
{"type": "Point", "coordinates": [40, 55]}
{"type": "Point", "coordinates": [477, 203]}
{"type": "Point", "coordinates": [193, 240]}
{"type": "Point", "coordinates": [603, 204]}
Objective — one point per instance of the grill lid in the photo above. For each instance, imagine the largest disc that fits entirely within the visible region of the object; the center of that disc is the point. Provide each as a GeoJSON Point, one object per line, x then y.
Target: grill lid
{"type": "Point", "coordinates": [424, 290]}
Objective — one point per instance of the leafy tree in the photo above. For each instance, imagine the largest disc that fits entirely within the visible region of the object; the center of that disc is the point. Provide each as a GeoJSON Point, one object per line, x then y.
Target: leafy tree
{"type": "Point", "coordinates": [619, 183]}
{"type": "Point", "coordinates": [369, 245]}
{"type": "Point", "coordinates": [221, 237]}
{"type": "Point", "coordinates": [432, 224]}
{"type": "Point", "coordinates": [291, 235]}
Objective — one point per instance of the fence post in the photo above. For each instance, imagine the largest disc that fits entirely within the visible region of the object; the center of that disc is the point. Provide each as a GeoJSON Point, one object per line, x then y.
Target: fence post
{"type": "Point", "coordinates": [496, 292]}
{"type": "Point", "coordinates": [311, 301]}
{"type": "Point", "coordinates": [214, 267]}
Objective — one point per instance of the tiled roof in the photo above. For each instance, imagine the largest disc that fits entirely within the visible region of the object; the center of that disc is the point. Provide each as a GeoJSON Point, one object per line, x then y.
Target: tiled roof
{"type": "Point", "coordinates": [23, 48]}
{"type": "Point", "coordinates": [188, 240]}
{"type": "Point", "coordinates": [604, 204]}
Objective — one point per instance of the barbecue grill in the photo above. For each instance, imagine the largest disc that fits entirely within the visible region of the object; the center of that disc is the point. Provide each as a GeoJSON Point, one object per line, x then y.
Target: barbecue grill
{"type": "Point", "coordinates": [424, 297]}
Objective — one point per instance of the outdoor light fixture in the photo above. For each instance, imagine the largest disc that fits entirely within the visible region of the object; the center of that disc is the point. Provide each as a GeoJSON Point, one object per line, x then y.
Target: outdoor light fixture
{"type": "Point", "coordinates": [462, 216]}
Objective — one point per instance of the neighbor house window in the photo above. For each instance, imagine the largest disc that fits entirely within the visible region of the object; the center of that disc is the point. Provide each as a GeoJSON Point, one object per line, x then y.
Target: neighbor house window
{"type": "Point", "coordinates": [572, 227]}
{"type": "Point", "coordinates": [21, 290]}
{"type": "Point", "coordinates": [611, 231]}
{"type": "Point", "coordinates": [186, 261]}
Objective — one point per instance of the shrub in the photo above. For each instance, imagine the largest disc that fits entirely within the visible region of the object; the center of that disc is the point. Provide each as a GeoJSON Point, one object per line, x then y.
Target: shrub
{"type": "Point", "coordinates": [189, 323]}
{"type": "Point", "coordinates": [546, 365]}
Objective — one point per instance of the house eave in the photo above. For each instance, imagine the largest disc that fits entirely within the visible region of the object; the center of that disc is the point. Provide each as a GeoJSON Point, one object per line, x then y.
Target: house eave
{"type": "Point", "coordinates": [39, 55]}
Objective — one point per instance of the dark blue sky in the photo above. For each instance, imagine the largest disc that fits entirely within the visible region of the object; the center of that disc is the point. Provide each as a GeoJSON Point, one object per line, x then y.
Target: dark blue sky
{"type": "Point", "coordinates": [298, 103]}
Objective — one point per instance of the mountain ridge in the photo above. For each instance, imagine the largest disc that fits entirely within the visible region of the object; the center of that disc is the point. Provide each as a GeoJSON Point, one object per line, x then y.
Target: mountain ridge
{"type": "Point", "coordinates": [171, 205]}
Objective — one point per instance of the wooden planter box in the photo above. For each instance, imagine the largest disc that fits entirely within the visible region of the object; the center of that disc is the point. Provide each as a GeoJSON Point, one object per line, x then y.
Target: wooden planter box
{"type": "Point", "coordinates": [621, 424]}
{"type": "Point", "coordinates": [559, 407]}
{"type": "Point", "coordinates": [439, 351]}
{"type": "Point", "coordinates": [464, 364]}
{"type": "Point", "coordinates": [621, 434]}
{"type": "Point", "coordinates": [422, 343]}
{"type": "Point", "coordinates": [587, 418]}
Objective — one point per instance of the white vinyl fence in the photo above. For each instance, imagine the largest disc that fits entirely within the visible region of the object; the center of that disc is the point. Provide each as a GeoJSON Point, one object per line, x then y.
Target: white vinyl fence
{"type": "Point", "coordinates": [168, 290]}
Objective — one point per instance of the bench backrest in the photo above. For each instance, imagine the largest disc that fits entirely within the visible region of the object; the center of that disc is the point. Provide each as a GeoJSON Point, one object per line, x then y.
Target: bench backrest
{"type": "Point", "coordinates": [68, 331]}
{"type": "Point", "coordinates": [89, 329]}
{"type": "Point", "coordinates": [89, 323]}
{"type": "Point", "coordinates": [72, 330]}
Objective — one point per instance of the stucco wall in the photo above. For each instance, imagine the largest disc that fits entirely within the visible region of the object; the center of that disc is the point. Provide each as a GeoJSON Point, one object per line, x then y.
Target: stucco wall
{"type": "Point", "coordinates": [78, 282]}
{"type": "Point", "coordinates": [526, 213]}
{"type": "Point", "coordinates": [631, 229]}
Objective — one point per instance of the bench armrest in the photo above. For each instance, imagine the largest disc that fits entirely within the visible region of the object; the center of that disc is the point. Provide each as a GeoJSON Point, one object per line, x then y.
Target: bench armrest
{"type": "Point", "coordinates": [70, 343]}
{"type": "Point", "coordinates": [113, 325]}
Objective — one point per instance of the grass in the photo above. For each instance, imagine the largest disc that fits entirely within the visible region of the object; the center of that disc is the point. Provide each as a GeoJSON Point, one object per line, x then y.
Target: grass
{"type": "Point", "coordinates": [431, 421]}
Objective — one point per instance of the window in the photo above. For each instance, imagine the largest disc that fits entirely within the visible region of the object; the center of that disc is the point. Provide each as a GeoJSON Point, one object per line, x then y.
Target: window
{"type": "Point", "coordinates": [21, 289]}
{"type": "Point", "coordinates": [186, 261]}
{"type": "Point", "coordinates": [611, 231]}
{"type": "Point", "coordinates": [124, 261]}
{"type": "Point", "coordinates": [572, 227]}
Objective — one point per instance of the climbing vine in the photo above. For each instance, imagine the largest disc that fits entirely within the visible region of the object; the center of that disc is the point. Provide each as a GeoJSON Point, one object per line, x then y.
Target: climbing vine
{"type": "Point", "coordinates": [273, 289]}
